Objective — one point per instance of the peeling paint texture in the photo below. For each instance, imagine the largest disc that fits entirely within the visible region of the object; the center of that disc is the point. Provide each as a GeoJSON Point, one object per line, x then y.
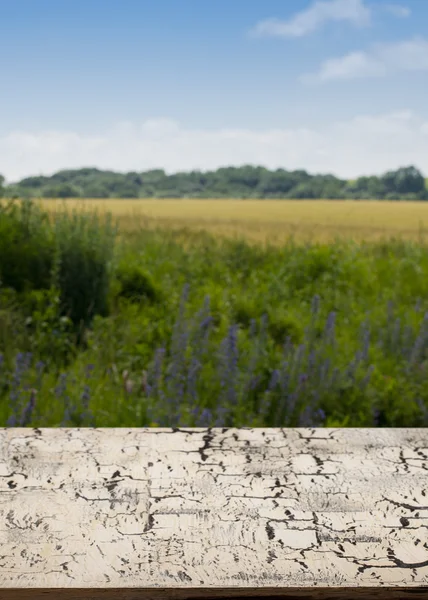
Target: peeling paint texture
{"type": "Point", "coordinates": [213, 513]}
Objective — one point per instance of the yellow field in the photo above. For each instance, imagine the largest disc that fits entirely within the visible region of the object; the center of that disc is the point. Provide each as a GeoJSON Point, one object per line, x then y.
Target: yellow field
{"type": "Point", "coordinates": [271, 220]}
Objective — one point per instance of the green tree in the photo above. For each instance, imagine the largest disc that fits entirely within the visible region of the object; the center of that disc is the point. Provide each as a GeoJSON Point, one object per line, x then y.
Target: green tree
{"type": "Point", "coordinates": [64, 190]}
{"type": "Point", "coordinates": [406, 180]}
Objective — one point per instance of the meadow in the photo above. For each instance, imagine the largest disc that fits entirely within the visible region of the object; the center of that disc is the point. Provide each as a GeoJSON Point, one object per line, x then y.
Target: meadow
{"type": "Point", "coordinates": [265, 220]}
{"type": "Point", "coordinates": [213, 313]}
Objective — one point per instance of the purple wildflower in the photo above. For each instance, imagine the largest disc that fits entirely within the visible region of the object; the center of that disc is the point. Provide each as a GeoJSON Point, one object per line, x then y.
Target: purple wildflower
{"type": "Point", "coordinates": [28, 410]}
{"type": "Point", "coordinates": [329, 330]}
{"type": "Point", "coordinates": [192, 379]}
{"type": "Point", "coordinates": [88, 370]}
{"type": "Point", "coordinates": [22, 364]}
{"type": "Point", "coordinates": [315, 305]}
{"type": "Point", "coordinates": [222, 413]}
{"type": "Point", "coordinates": [205, 418]}
{"type": "Point", "coordinates": [306, 418]}
{"type": "Point", "coordinates": [229, 366]}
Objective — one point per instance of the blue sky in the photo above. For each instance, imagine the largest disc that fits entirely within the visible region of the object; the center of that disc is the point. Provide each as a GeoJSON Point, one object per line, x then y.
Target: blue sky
{"type": "Point", "coordinates": [335, 86]}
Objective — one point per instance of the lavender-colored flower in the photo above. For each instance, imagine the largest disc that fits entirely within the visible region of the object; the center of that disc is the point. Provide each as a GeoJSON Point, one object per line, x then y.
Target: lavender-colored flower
{"type": "Point", "coordinates": [28, 410]}
{"type": "Point", "coordinates": [62, 385]}
{"type": "Point", "coordinates": [315, 305]}
{"type": "Point", "coordinates": [205, 418]}
{"type": "Point", "coordinates": [254, 382]}
{"type": "Point", "coordinates": [267, 397]}
{"type": "Point", "coordinates": [176, 373]}
{"type": "Point", "coordinates": [88, 370]}
{"type": "Point", "coordinates": [222, 413]}
{"type": "Point", "coordinates": [22, 364]}
{"type": "Point", "coordinates": [329, 330]}
{"type": "Point", "coordinates": [306, 418]}
{"type": "Point", "coordinates": [229, 366]}
{"type": "Point", "coordinates": [303, 378]}
{"type": "Point", "coordinates": [192, 376]}
{"type": "Point", "coordinates": [202, 329]}
{"type": "Point", "coordinates": [86, 396]}
{"type": "Point", "coordinates": [321, 416]}
{"type": "Point", "coordinates": [274, 380]}
{"type": "Point", "coordinates": [40, 365]}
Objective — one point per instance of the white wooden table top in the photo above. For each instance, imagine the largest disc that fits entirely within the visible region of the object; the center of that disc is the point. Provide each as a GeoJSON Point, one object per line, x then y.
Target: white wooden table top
{"type": "Point", "coordinates": [163, 513]}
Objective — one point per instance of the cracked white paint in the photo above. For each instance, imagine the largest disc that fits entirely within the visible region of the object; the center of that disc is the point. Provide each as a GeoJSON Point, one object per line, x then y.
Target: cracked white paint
{"type": "Point", "coordinates": [196, 512]}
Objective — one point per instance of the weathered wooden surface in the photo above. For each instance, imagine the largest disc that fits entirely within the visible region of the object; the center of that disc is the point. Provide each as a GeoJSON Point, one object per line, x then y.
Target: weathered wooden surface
{"type": "Point", "coordinates": [198, 513]}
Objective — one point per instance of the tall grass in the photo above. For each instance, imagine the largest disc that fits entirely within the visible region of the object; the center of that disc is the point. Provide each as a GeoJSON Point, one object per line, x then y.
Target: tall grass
{"type": "Point", "coordinates": [182, 329]}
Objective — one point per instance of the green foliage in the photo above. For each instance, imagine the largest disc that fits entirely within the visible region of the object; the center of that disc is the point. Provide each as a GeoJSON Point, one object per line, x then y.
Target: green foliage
{"type": "Point", "coordinates": [73, 254]}
{"type": "Point", "coordinates": [136, 284]}
{"type": "Point", "coordinates": [50, 334]}
{"type": "Point", "coordinates": [406, 183]}
{"type": "Point", "coordinates": [26, 247]}
{"type": "Point", "coordinates": [282, 325]}
{"type": "Point", "coordinates": [84, 251]}
{"type": "Point", "coordinates": [64, 190]}
{"type": "Point", "coordinates": [357, 341]}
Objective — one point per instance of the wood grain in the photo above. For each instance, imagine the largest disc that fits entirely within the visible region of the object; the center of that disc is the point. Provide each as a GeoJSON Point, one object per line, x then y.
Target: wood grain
{"type": "Point", "coordinates": [213, 513]}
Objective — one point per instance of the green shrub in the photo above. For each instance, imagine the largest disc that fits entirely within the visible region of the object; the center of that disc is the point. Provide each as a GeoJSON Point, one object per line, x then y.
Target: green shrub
{"type": "Point", "coordinates": [84, 248]}
{"type": "Point", "coordinates": [72, 252]}
{"type": "Point", "coordinates": [136, 284]}
{"type": "Point", "coordinates": [26, 247]}
{"type": "Point", "coordinates": [282, 326]}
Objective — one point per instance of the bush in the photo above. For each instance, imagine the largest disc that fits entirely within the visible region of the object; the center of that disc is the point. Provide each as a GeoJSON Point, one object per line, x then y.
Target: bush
{"type": "Point", "coordinates": [84, 250]}
{"type": "Point", "coordinates": [71, 252]}
{"type": "Point", "coordinates": [136, 284]}
{"type": "Point", "coordinates": [26, 247]}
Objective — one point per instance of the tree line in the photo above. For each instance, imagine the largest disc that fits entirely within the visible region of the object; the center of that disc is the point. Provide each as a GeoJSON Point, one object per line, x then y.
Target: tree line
{"type": "Point", "coordinates": [405, 183]}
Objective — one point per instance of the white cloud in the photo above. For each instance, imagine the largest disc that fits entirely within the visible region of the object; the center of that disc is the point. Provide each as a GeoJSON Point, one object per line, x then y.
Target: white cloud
{"type": "Point", "coordinates": [410, 55]}
{"type": "Point", "coordinates": [314, 17]}
{"type": "Point", "coordinates": [362, 145]}
{"type": "Point", "coordinates": [397, 10]}
{"type": "Point", "coordinates": [379, 60]}
{"type": "Point", "coordinates": [350, 66]}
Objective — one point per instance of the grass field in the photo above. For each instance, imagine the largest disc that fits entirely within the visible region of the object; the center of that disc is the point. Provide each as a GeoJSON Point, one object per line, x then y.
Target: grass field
{"type": "Point", "coordinates": [183, 328]}
{"type": "Point", "coordinates": [268, 220]}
